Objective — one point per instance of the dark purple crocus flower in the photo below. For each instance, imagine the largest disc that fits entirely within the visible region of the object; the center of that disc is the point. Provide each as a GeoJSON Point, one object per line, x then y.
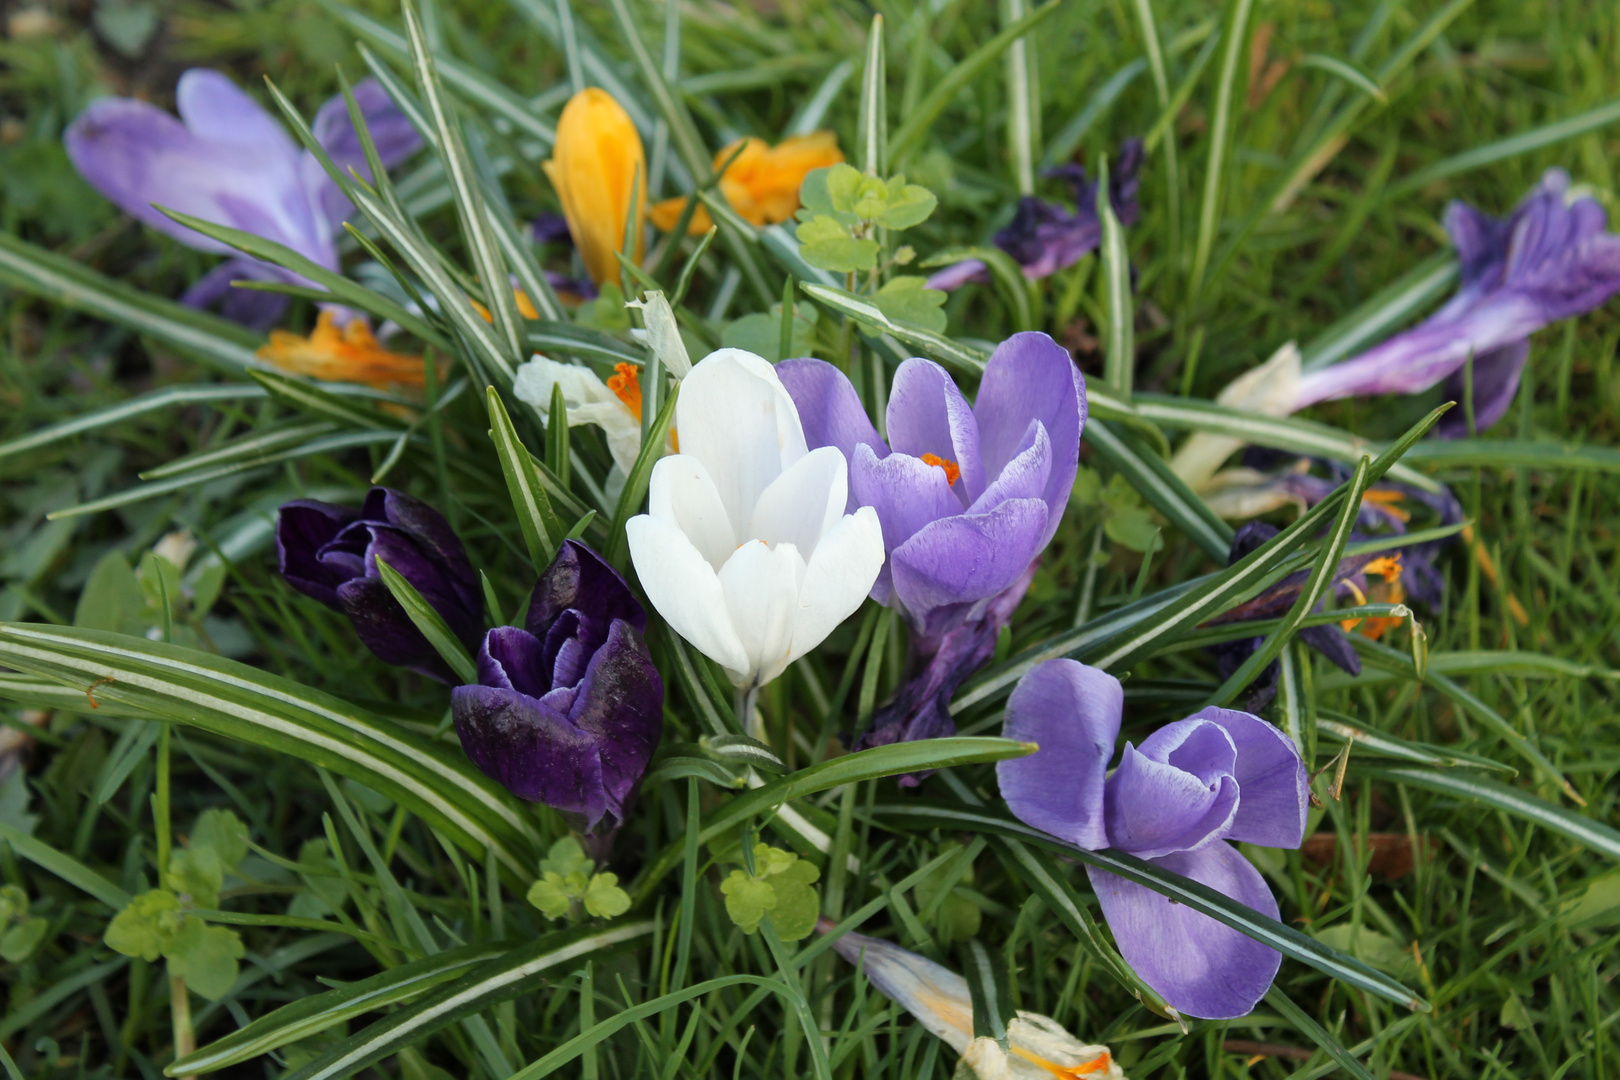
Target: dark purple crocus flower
{"type": "Point", "coordinates": [228, 161]}
{"type": "Point", "coordinates": [1044, 238]}
{"type": "Point", "coordinates": [1176, 801]}
{"type": "Point", "coordinates": [1551, 259]}
{"type": "Point", "coordinates": [968, 495]}
{"type": "Point", "coordinates": [569, 709]}
{"type": "Point", "coordinates": [330, 552]}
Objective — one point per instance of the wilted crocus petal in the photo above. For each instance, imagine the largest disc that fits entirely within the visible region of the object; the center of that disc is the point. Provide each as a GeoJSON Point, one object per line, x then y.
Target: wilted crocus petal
{"type": "Point", "coordinates": [746, 549]}
{"type": "Point", "coordinates": [1044, 238]}
{"type": "Point", "coordinates": [589, 400]}
{"type": "Point", "coordinates": [1072, 712]}
{"type": "Point", "coordinates": [569, 709]}
{"type": "Point", "coordinates": [1039, 1047]}
{"type": "Point", "coordinates": [1201, 967]}
{"type": "Point", "coordinates": [761, 183]}
{"type": "Point", "coordinates": [1270, 389]}
{"type": "Point", "coordinates": [330, 553]}
{"type": "Point", "coordinates": [350, 353]}
{"type": "Point", "coordinates": [968, 496]}
{"type": "Point", "coordinates": [1552, 259]}
{"type": "Point", "coordinates": [596, 164]}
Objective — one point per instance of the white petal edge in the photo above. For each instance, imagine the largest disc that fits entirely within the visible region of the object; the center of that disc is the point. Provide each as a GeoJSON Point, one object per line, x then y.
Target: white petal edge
{"type": "Point", "coordinates": [837, 578]}
{"type": "Point", "coordinates": [684, 589]}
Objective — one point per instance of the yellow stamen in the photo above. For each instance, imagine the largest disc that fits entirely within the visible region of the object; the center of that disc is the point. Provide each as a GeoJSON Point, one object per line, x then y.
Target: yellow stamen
{"type": "Point", "coordinates": [1391, 591]}
{"type": "Point", "coordinates": [1487, 566]}
{"type": "Point", "coordinates": [1387, 567]}
{"type": "Point", "coordinates": [762, 184]}
{"type": "Point", "coordinates": [953, 471]}
{"type": "Point", "coordinates": [626, 385]}
{"type": "Point", "coordinates": [350, 354]}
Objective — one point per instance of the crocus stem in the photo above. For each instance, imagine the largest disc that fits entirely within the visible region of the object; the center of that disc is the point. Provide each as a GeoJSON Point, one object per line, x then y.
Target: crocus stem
{"type": "Point", "coordinates": [749, 720]}
{"type": "Point", "coordinates": [185, 1040]}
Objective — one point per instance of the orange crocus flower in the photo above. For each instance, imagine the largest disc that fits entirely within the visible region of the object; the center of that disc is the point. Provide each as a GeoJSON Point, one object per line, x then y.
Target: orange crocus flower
{"type": "Point", "coordinates": [350, 354]}
{"type": "Point", "coordinates": [596, 164]}
{"type": "Point", "coordinates": [763, 183]}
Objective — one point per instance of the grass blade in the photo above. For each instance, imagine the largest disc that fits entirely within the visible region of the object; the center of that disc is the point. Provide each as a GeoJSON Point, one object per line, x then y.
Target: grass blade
{"type": "Point", "coordinates": [1234, 41]}
{"type": "Point", "coordinates": [542, 531]}
{"type": "Point", "coordinates": [429, 621]}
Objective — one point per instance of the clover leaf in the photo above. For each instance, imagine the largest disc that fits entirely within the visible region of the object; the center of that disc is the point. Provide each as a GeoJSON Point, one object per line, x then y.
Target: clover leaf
{"type": "Point", "coordinates": [205, 956]}
{"type": "Point", "coordinates": [827, 244]}
{"type": "Point", "coordinates": [908, 299]}
{"type": "Point", "coordinates": [748, 898]}
{"type": "Point", "coordinates": [905, 205]}
{"type": "Point", "coordinates": [782, 886]}
{"type": "Point", "coordinates": [604, 898]}
{"type": "Point", "coordinates": [551, 896]}
{"type": "Point", "coordinates": [566, 857]}
{"type": "Point", "coordinates": [143, 927]}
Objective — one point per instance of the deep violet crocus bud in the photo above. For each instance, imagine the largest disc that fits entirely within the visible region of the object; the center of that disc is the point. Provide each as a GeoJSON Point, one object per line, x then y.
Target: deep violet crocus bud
{"type": "Point", "coordinates": [1043, 237]}
{"type": "Point", "coordinates": [569, 709]}
{"type": "Point", "coordinates": [1552, 259]}
{"type": "Point", "coordinates": [1177, 800]}
{"type": "Point", "coordinates": [330, 552]}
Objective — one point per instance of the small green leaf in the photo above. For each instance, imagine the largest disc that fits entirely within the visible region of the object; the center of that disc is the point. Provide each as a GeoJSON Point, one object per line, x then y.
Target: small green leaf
{"type": "Point", "coordinates": [196, 874]}
{"type": "Point", "coordinates": [224, 833]}
{"type": "Point", "coordinates": [19, 943]}
{"type": "Point", "coordinates": [769, 861]}
{"type": "Point", "coordinates": [112, 599]}
{"type": "Point", "coordinates": [205, 956]}
{"type": "Point", "coordinates": [13, 903]}
{"type": "Point", "coordinates": [566, 857]}
{"type": "Point", "coordinates": [908, 205]}
{"type": "Point", "coordinates": [748, 898]}
{"type": "Point", "coordinates": [909, 299]}
{"type": "Point", "coordinates": [797, 902]}
{"type": "Point", "coordinates": [845, 186]}
{"type": "Point", "coordinates": [604, 898]}
{"type": "Point", "coordinates": [142, 927]}
{"type": "Point", "coordinates": [828, 245]}
{"type": "Point", "coordinates": [549, 896]}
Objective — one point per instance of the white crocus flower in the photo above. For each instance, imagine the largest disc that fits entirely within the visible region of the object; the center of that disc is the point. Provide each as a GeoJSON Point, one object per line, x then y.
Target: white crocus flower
{"type": "Point", "coordinates": [663, 334]}
{"type": "Point", "coordinates": [1271, 389]}
{"type": "Point", "coordinates": [746, 550]}
{"type": "Point", "coordinates": [1038, 1047]}
{"type": "Point", "coordinates": [589, 401]}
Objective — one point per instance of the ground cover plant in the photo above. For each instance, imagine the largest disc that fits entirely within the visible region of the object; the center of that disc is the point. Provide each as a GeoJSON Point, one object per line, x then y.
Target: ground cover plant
{"type": "Point", "coordinates": [643, 539]}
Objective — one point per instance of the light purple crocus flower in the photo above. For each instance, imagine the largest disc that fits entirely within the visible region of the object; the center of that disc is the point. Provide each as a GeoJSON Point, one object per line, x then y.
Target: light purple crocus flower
{"type": "Point", "coordinates": [1044, 238]}
{"type": "Point", "coordinates": [228, 161]}
{"type": "Point", "coordinates": [967, 495]}
{"type": "Point", "coordinates": [1176, 801]}
{"type": "Point", "coordinates": [1551, 259]}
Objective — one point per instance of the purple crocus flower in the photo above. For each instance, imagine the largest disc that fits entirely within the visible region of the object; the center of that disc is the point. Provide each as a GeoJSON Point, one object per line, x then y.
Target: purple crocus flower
{"type": "Point", "coordinates": [569, 709]}
{"type": "Point", "coordinates": [967, 495]}
{"type": "Point", "coordinates": [1044, 238]}
{"type": "Point", "coordinates": [1551, 259]}
{"type": "Point", "coordinates": [330, 553]}
{"type": "Point", "coordinates": [1176, 801]}
{"type": "Point", "coordinates": [227, 161]}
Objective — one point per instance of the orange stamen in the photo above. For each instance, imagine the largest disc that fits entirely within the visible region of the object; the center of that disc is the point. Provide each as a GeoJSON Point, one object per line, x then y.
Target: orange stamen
{"type": "Point", "coordinates": [1069, 1072]}
{"type": "Point", "coordinates": [1390, 502]}
{"type": "Point", "coordinates": [1387, 567]}
{"type": "Point", "coordinates": [626, 385]}
{"type": "Point", "coordinates": [350, 354]}
{"type": "Point", "coordinates": [953, 471]}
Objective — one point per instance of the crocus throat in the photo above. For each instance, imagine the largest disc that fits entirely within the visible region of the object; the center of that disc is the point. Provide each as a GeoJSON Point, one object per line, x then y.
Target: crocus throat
{"type": "Point", "coordinates": [953, 471]}
{"type": "Point", "coordinates": [626, 385]}
{"type": "Point", "coordinates": [1096, 1065]}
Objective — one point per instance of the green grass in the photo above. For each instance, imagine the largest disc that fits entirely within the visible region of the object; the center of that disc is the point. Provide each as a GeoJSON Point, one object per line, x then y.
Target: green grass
{"type": "Point", "coordinates": [1507, 929]}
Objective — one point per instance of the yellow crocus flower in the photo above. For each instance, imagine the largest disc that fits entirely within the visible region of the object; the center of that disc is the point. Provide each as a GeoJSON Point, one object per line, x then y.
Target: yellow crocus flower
{"type": "Point", "coordinates": [596, 164]}
{"type": "Point", "coordinates": [762, 184]}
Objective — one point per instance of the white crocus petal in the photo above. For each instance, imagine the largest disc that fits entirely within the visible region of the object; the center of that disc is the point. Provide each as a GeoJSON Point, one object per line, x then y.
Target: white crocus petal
{"type": "Point", "coordinates": [1240, 493]}
{"type": "Point", "coordinates": [763, 516]}
{"type": "Point", "coordinates": [682, 493]}
{"type": "Point", "coordinates": [1040, 1048]}
{"type": "Point", "coordinates": [762, 594]}
{"type": "Point", "coordinates": [735, 416]}
{"type": "Point", "coordinates": [685, 589]}
{"type": "Point", "coordinates": [837, 577]}
{"type": "Point", "coordinates": [1271, 389]}
{"type": "Point", "coordinates": [589, 401]}
{"type": "Point", "coordinates": [662, 335]}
